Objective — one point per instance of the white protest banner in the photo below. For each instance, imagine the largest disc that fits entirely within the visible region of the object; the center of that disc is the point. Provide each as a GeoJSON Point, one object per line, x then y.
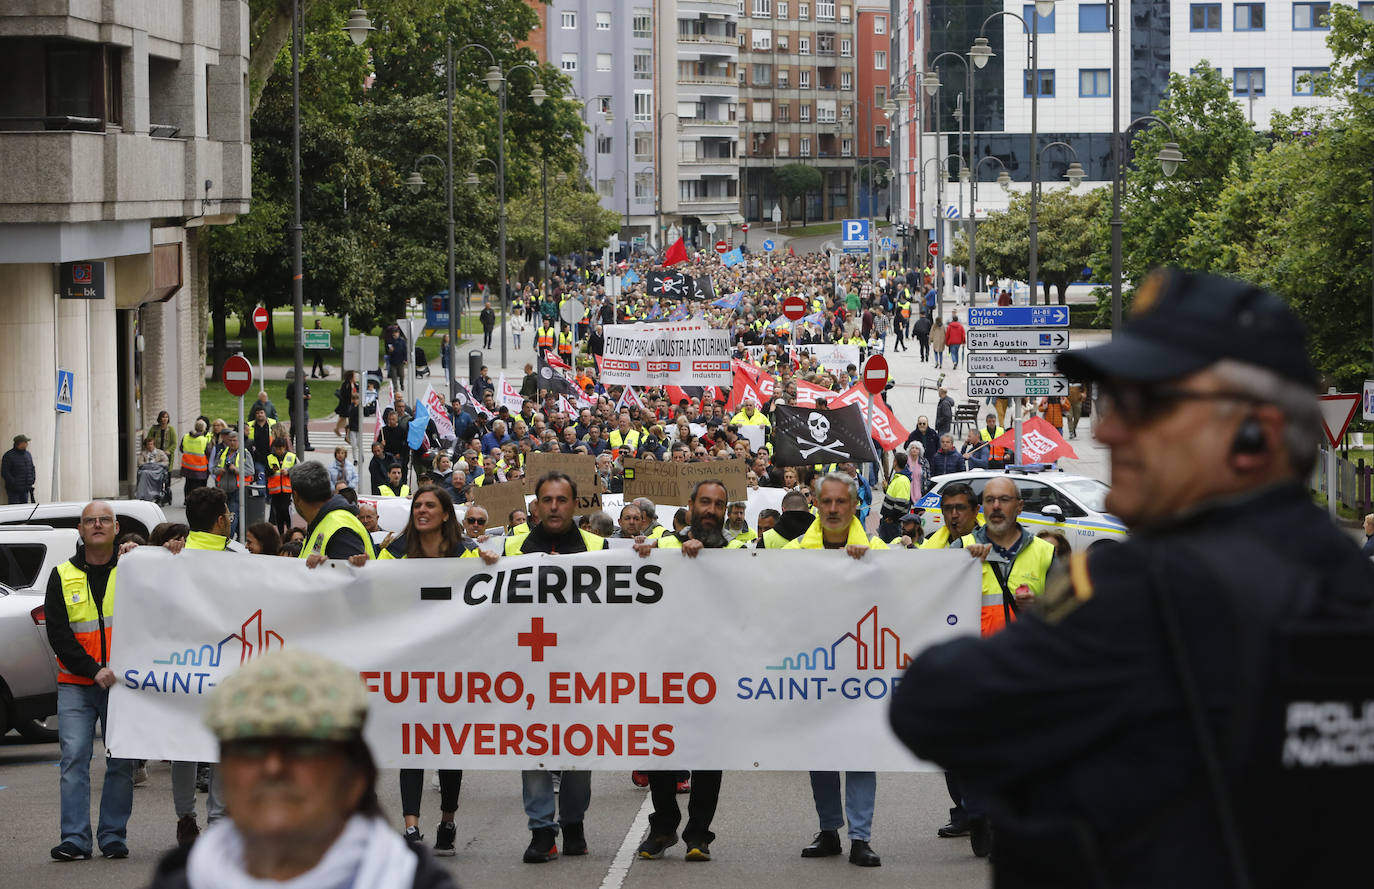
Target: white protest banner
{"type": "Point", "coordinates": [684, 353]}
{"type": "Point", "coordinates": [508, 395]}
{"type": "Point", "coordinates": [832, 356]}
{"type": "Point", "coordinates": [588, 661]}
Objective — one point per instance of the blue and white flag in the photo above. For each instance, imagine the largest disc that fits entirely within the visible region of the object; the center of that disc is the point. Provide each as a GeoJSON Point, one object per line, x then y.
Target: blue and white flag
{"type": "Point", "coordinates": [734, 257]}
{"type": "Point", "coordinates": [730, 302]}
{"type": "Point", "coordinates": [679, 313]}
{"type": "Point", "coordinates": [415, 437]}
{"type": "Point", "coordinates": [630, 277]}
{"type": "Point", "coordinates": [817, 318]}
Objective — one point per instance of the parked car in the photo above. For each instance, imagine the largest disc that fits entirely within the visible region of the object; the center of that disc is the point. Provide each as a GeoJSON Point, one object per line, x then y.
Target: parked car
{"type": "Point", "coordinates": [28, 671]}
{"type": "Point", "coordinates": [1052, 500]}
{"type": "Point", "coordinates": [139, 516]}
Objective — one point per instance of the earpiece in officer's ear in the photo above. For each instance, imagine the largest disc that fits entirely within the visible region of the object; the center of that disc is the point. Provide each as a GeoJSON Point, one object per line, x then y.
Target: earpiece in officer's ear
{"type": "Point", "coordinates": [1249, 438]}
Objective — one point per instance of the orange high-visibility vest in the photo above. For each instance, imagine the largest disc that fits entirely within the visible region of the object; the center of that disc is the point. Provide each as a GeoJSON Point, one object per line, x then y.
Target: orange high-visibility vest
{"type": "Point", "coordinates": [278, 473]}
{"type": "Point", "coordinates": [91, 625]}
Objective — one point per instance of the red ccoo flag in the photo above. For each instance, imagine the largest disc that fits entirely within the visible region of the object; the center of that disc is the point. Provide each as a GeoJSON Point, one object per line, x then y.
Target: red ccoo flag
{"type": "Point", "coordinates": [675, 254]}
{"type": "Point", "coordinates": [1040, 442]}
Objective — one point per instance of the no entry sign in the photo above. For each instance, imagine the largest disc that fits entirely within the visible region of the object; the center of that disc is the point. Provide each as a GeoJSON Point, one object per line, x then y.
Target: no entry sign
{"type": "Point", "coordinates": [238, 375]}
{"type": "Point", "coordinates": [260, 318]}
{"type": "Point", "coordinates": [721, 247]}
{"type": "Point", "coordinates": [934, 248]}
{"type": "Point", "coordinates": [875, 374]}
{"type": "Point", "coordinates": [793, 308]}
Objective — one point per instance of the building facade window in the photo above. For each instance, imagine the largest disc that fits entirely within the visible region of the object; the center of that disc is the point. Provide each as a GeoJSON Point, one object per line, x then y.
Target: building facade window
{"type": "Point", "coordinates": [603, 21]}
{"type": "Point", "coordinates": [1248, 17]}
{"type": "Point", "coordinates": [644, 105]}
{"type": "Point", "coordinates": [644, 145]}
{"type": "Point", "coordinates": [603, 144]}
{"type": "Point", "coordinates": [603, 104]}
{"type": "Point", "coordinates": [1309, 16]}
{"type": "Point", "coordinates": [644, 66]}
{"type": "Point", "coordinates": [879, 60]}
{"type": "Point", "coordinates": [784, 78]}
{"type": "Point", "coordinates": [846, 147]}
{"type": "Point", "coordinates": [803, 46]}
{"type": "Point", "coordinates": [1311, 82]}
{"type": "Point", "coordinates": [846, 47]}
{"type": "Point", "coordinates": [761, 38]}
{"type": "Point", "coordinates": [1094, 83]}
{"type": "Point", "coordinates": [782, 9]}
{"type": "Point", "coordinates": [880, 137]}
{"type": "Point", "coordinates": [846, 80]}
{"type": "Point", "coordinates": [1092, 18]}
{"type": "Point", "coordinates": [1046, 23]}
{"type": "Point", "coordinates": [825, 10]}
{"type": "Point", "coordinates": [825, 44]}
{"type": "Point", "coordinates": [763, 8]}
{"type": "Point", "coordinates": [784, 112]}
{"type": "Point", "coordinates": [642, 23]}
{"type": "Point", "coordinates": [1248, 82]}
{"type": "Point", "coordinates": [784, 147]}
{"type": "Point", "coordinates": [805, 150]}
{"type": "Point", "coordinates": [603, 61]}
{"type": "Point", "coordinates": [879, 24]}
{"type": "Point", "coordinates": [1206, 17]}
{"type": "Point", "coordinates": [804, 79]}
{"type": "Point", "coordinates": [1046, 83]}
{"type": "Point", "coordinates": [761, 112]}
{"type": "Point", "coordinates": [762, 74]}
{"type": "Point", "coordinates": [804, 112]}
{"type": "Point", "coordinates": [568, 62]}
{"type": "Point", "coordinates": [569, 20]}
{"type": "Point", "coordinates": [804, 11]}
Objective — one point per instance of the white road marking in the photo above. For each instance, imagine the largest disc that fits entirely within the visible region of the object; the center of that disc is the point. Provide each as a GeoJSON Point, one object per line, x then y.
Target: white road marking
{"type": "Point", "coordinates": [620, 865]}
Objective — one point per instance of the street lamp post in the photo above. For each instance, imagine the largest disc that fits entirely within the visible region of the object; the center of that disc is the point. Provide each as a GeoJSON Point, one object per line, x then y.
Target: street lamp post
{"type": "Point", "coordinates": [932, 89]}
{"type": "Point", "coordinates": [981, 52]}
{"type": "Point", "coordinates": [496, 82]}
{"type": "Point", "coordinates": [415, 182]}
{"type": "Point", "coordinates": [1169, 157]}
{"type": "Point", "coordinates": [658, 177]}
{"type": "Point", "coordinates": [358, 27]}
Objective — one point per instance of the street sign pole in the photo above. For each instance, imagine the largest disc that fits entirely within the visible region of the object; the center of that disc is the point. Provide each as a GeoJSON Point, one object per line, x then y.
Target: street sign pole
{"type": "Point", "coordinates": [243, 491]}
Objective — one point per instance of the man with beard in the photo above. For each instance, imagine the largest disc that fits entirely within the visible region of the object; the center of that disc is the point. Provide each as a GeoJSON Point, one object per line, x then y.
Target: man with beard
{"type": "Point", "coordinates": [795, 518]}
{"type": "Point", "coordinates": [705, 530]}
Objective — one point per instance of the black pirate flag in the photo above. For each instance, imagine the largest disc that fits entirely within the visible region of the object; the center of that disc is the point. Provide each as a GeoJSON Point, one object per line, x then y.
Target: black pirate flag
{"type": "Point", "coordinates": [670, 285]}
{"type": "Point", "coordinates": [803, 436]}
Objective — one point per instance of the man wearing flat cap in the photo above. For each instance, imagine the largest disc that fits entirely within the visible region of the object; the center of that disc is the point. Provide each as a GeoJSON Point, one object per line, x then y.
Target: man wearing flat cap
{"type": "Point", "coordinates": [300, 787]}
{"type": "Point", "coordinates": [1182, 709]}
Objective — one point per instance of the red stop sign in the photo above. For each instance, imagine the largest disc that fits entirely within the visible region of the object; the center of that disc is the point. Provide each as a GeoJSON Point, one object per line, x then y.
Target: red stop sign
{"type": "Point", "coordinates": [238, 375]}
{"type": "Point", "coordinates": [875, 374]}
{"type": "Point", "coordinates": [721, 247]}
{"type": "Point", "coordinates": [260, 318]}
{"type": "Point", "coordinates": [934, 248]}
{"type": "Point", "coordinates": [793, 308]}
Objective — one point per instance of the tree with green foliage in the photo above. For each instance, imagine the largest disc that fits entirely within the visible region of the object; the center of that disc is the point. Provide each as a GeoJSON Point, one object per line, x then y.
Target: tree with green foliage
{"type": "Point", "coordinates": [794, 181]}
{"type": "Point", "coordinates": [1157, 211]}
{"type": "Point", "coordinates": [1067, 223]}
{"type": "Point", "coordinates": [1299, 220]}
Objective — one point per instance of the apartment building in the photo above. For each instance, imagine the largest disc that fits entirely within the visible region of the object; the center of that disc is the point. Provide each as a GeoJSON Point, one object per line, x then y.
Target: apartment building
{"type": "Point", "coordinates": [800, 101]}
{"type": "Point", "coordinates": [123, 133]}
{"type": "Point", "coordinates": [658, 83]}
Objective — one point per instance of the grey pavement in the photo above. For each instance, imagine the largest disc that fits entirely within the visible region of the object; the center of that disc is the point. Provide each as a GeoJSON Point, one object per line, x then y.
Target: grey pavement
{"type": "Point", "coordinates": [763, 821]}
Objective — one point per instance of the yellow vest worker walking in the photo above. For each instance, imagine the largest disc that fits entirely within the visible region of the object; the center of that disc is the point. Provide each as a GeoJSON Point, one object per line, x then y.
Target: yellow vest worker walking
{"type": "Point", "coordinates": [79, 606]}
{"type": "Point", "coordinates": [838, 527]}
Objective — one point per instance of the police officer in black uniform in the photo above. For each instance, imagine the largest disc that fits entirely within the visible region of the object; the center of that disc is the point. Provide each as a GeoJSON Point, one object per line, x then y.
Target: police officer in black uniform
{"type": "Point", "coordinates": [1186, 708]}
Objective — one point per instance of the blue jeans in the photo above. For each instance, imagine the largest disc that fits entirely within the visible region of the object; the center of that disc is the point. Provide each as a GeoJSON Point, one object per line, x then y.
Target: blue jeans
{"type": "Point", "coordinates": [939, 356]}
{"type": "Point", "coordinates": [574, 795]}
{"type": "Point", "coordinates": [78, 709]}
{"type": "Point", "coordinates": [860, 791]}
{"type": "Point", "coordinates": [954, 354]}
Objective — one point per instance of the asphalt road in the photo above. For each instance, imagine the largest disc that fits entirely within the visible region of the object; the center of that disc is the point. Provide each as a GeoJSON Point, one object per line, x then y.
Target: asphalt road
{"type": "Point", "coordinates": [761, 826]}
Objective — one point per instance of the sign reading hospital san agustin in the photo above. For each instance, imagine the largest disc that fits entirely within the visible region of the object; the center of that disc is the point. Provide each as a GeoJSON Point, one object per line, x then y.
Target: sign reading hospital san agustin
{"type": "Point", "coordinates": [587, 661]}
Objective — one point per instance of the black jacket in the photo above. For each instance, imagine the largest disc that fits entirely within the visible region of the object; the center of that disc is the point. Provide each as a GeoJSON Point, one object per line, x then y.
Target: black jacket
{"type": "Point", "coordinates": [60, 636]}
{"type": "Point", "coordinates": [343, 542]}
{"type": "Point", "coordinates": [429, 873]}
{"type": "Point", "coordinates": [17, 469]}
{"type": "Point", "coordinates": [1073, 721]}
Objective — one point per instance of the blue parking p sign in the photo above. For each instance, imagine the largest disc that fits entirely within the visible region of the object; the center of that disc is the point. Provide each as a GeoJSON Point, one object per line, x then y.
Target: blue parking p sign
{"type": "Point", "coordinates": [66, 383]}
{"type": "Point", "coordinates": [854, 232]}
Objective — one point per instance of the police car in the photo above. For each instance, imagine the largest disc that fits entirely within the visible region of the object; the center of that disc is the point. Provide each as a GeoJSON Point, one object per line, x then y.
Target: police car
{"type": "Point", "coordinates": [1052, 500]}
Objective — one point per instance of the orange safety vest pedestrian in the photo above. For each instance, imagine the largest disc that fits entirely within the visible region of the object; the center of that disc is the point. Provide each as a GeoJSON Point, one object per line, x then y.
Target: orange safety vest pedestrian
{"type": "Point", "coordinates": [279, 473]}
{"type": "Point", "coordinates": [565, 345]}
{"type": "Point", "coordinates": [545, 338]}
{"type": "Point", "coordinates": [193, 453]}
{"type": "Point", "coordinates": [91, 624]}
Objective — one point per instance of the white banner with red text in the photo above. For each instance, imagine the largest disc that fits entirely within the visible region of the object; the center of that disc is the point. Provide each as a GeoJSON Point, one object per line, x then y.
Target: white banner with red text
{"type": "Point", "coordinates": [684, 353]}
{"type": "Point", "coordinates": [737, 659]}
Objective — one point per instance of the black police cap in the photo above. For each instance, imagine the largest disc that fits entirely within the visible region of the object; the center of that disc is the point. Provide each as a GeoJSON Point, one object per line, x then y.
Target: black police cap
{"type": "Point", "coordinates": [1181, 322]}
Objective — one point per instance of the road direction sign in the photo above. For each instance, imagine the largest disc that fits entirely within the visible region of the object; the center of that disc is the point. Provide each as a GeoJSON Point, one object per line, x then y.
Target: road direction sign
{"type": "Point", "coordinates": [260, 318]}
{"type": "Point", "coordinates": [1337, 409]}
{"type": "Point", "coordinates": [875, 375]}
{"type": "Point", "coordinates": [794, 308]}
{"type": "Point", "coordinates": [1368, 400]}
{"type": "Point", "coordinates": [722, 248]}
{"type": "Point", "coordinates": [999, 338]}
{"type": "Point", "coordinates": [1016, 387]}
{"type": "Point", "coordinates": [238, 375]}
{"type": "Point", "coordinates": [1019, 316]}
{"type": "Point", "coordinates": [316, 339]}
{"type": "Point", "coordinates": [1005, 363]}
{"type": "Point", "coordinates": [934, 248]}
{"type": "Point", "coordinates": [768, 246]}
{"type": "Point", "coordinates": [66, 386]}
